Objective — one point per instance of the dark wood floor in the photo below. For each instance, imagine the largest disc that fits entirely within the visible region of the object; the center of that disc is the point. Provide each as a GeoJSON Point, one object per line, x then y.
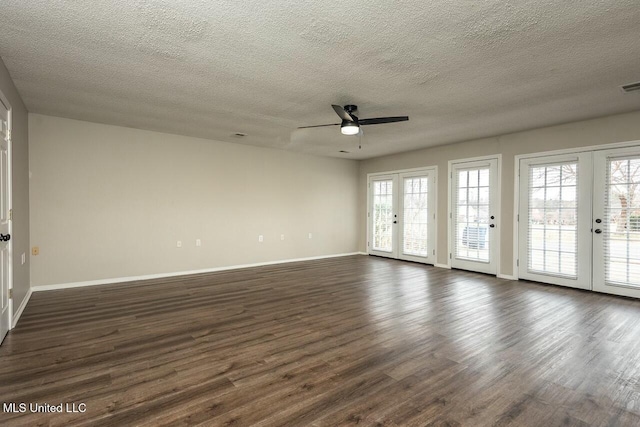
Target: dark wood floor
{"type": "Point", "coordinates": [345, 341]}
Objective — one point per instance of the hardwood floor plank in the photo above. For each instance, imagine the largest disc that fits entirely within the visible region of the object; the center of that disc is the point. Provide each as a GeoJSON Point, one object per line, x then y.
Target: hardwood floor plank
{"type": "Point", "coordinates": [335, 342]}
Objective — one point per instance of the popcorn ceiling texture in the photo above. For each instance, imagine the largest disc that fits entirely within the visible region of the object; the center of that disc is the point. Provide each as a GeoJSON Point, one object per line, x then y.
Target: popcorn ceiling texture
{"type": "Point", "coordinates": [460, 70]}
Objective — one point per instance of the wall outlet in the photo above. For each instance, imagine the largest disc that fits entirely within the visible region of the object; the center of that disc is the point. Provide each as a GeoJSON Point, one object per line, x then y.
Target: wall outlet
{"type": "Point", "coordinates": [310, 236]}
{"type": "Point", "coordinates": [282, 237]}
{"type": "Point", "coordinates": [198, 242]}
{"type": "Point", "coordinates": [261, 238]}
{"type": "Point", "coordinates": [179, 243]}
{"type": "Point", "coordinates": [24, 258]}
{"type": "Point", "coordinates": [35, 250]}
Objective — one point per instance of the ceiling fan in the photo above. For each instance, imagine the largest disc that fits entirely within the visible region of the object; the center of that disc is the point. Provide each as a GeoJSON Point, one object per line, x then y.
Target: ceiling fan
{"type": "Point", "coordinates": [351, 123]}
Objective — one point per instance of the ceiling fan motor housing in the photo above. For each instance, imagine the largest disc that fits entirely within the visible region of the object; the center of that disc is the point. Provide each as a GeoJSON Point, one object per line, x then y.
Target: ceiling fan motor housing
{"type": "Point", "coordinates": [350, 108]}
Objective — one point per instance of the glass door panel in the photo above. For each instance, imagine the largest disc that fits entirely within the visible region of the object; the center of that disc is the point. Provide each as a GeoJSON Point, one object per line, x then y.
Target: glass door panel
{"type": "Point", "coordinates": [383, 214]}
{"type": "Point", "coordinates": [616, 225]}
{"type": "Point", "coordinates": [417, 219]}
{"type": "Point", "coordinates": [473, 215]}
{"type": "Point", "coordinates": [554, 222]}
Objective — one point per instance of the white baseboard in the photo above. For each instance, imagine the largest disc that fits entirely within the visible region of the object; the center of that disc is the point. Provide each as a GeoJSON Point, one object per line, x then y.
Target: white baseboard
{"type": "Point", "coordinates": [40, 288]}
{"type": "Point", "coordinates": [506, 276]}
{"type": "Point", "coordinates": [23, 304]}
{"type": "Point", "coordinates": [448, 267]}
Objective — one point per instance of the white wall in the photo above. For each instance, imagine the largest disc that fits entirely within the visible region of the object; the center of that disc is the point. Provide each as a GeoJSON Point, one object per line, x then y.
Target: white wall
{"type": "Point", "coordinates": [618, 128]}
{"type": "Point", "coordinates": [20, 188]}
{"type": "Point", "coordinates": [110, 202]}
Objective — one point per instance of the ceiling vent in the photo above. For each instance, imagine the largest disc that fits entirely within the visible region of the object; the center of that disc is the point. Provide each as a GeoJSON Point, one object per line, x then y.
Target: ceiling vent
{"type": "Point", "coordinates": [631, 87]}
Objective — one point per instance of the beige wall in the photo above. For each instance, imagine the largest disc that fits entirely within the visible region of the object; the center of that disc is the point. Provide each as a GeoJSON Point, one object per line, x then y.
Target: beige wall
{"type": "Point", "coordinates": [618, 128]}
{"type": "Point", "coordinates": [20, 187]}
{"type": "Point", "coordinates": [110, 202]}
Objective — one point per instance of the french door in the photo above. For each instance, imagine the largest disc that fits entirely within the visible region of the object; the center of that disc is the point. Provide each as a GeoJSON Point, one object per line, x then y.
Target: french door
{"type": "Point", "coordinates": [402, 215]}
{"type": "Point", "coordinates": [555, 220]}
{"type": "Point", "coordinates": [579, 220]}
{"type": "Point", "coordinates": [473, 215]}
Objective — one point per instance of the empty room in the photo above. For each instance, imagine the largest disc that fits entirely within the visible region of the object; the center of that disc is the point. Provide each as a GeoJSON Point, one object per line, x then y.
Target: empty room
{"type": "Point", "coordinates": [383, 213]}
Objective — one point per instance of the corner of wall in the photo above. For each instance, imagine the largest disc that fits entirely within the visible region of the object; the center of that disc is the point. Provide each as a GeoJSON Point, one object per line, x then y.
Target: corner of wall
{"type": "Point", "coordinates": [19, 191]}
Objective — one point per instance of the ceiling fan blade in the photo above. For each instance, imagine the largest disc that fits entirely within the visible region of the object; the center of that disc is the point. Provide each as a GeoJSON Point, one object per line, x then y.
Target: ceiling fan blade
{"type": "Point", "coordinates": [344, 115]}
{"type": "Point", "coordinates": [380, 120]}
{"type": "Point", "coordinates": [318, 126]}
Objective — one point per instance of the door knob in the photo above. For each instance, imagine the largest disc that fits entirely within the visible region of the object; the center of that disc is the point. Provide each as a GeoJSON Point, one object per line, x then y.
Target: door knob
{"type": "Point", "coordinates": [492, 225]}
{"type": "Point", "coordinates": [5, 237]}
{"type": "Point", "coordinates": [598, 221]}
{"type": "Point", "coordinates": [597, 231]}
{"type": "Point", "coordinates": [395, 222]}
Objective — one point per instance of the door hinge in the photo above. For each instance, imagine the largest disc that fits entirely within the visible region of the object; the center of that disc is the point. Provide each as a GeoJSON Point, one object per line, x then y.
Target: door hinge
{"type": "Point", "coordinates": [451, 175]}
{"type": "Point", "coordinates": [518, 218]}
{"type": "Point", "coordinates": [450, 215]}
{"type": "Point", "coordinates": [517, 263]}
{"type": "Point", "coordinates": [11, 293]}
{"type": "Point", "coordinates": [434, 251]}
{"type": "Point", "coordinates": [368, 214]}
{"type": "Point", "coordinates": [434, 216]}
{"type": "Point", "coordinates": [367, 244]}
{"type": "Point", "coordinates": [449, 256]}
{"type": "Point", "coordinates": [10, 213]}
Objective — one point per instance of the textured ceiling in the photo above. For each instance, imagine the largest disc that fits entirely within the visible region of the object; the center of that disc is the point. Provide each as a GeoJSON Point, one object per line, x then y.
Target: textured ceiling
{"type": "Point", "coordinates": [460, 70]}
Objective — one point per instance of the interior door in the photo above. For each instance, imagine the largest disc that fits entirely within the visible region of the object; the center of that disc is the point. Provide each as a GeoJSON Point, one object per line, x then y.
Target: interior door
{"type": "Point", "coordinates": [5, 277]}
{"type": "Point", "coordinates": [474, 215]}
{"type": "Point", "coordinates": [383, 214]}
{"type": "Point", "coordinates": [402, 215]}
{"type": "Point", "coordinates": [554, 220]}
{"type": "Point", "coordinates": [616, 222]}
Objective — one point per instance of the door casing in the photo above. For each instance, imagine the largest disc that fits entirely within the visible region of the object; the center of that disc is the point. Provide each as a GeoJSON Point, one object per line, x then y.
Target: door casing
{"type": "Point", "coordinates": [432, 171]}
{"type": "Point", "coordinates": [9, 207]}
{"type": "Point", "coordinates": [635, 144]}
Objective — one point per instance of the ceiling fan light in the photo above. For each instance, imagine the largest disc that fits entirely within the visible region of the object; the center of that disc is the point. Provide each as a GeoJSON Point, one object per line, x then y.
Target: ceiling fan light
{"type": "Point", "coordinates": [349, 128]}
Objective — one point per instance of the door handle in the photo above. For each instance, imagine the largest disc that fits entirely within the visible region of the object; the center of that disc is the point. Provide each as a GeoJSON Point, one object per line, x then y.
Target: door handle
{"type": "Point", "coordinates": [5, 237]}
{"type": "Point", "coordinates": [597, 231]}
{"type": "Point", "coordinates": [395, 222]}
{"type": "Point", "coordinates": [492, 225]}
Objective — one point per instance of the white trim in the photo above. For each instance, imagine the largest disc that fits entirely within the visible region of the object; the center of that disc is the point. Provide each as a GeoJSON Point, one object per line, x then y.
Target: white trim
{"type": "Point", "coordinates": [576, 150]}
{"type": "Point", "coordinates": [506, 276]}
{"type": "Point", "coordinates": [516, 211]}
{"type": "Point", "coordinates": [420, 169]}
{"type": "Point", "coordinates": [447, 266]}
{"type": "Point", "coordinates": [41, 288]}
{"type": "Point", "coordinates": [7, 105]}
{"type": "Point", "coordinates": [498, 202]}
{"type": "Point", "coordinates": [23, 304]}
